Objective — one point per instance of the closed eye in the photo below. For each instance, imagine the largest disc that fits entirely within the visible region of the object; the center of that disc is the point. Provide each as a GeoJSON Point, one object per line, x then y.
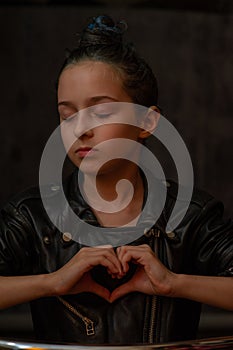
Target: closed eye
{"type": "Point", "coordinates": [102, 115]}
{"type": "Point", "coordinates": [68, 118]}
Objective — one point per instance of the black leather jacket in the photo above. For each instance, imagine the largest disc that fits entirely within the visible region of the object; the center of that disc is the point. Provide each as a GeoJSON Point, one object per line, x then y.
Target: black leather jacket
{"type": "Point", "coordinates": [30, 244]}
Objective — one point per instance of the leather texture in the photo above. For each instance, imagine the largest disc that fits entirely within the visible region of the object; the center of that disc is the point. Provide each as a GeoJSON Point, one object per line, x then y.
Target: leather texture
{"type": "Point", "coordinates": [30, 243]}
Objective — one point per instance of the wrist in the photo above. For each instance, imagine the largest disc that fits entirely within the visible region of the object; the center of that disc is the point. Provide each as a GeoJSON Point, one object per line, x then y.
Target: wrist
{"type": "Point", "coordinates": [51, 285]}
{"type": "Point", "coordinates": [180, 286]}
{"type": "Point", "coordinates": [172, 285]}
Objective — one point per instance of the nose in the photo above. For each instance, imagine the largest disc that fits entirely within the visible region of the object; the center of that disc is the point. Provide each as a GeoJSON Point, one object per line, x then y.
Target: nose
{"type": "Point", "coordinates": [82, 125]}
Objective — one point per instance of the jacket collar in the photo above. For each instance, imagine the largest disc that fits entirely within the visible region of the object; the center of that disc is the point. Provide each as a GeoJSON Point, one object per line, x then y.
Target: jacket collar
{"type": "Point", "coordinates": [151, 216]}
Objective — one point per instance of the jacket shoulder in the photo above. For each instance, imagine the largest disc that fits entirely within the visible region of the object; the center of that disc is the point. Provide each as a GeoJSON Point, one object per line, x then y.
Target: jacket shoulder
{"type": "Point", "coordinates": [192, 212]}
{"type": "Point", "coordinates": [34, 193]}
{"type": "Point", "coordinates": [199, 197]}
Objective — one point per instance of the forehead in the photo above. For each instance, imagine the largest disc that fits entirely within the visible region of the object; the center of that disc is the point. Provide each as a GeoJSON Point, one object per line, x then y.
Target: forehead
{"type": "Point", "coordinates": [90, 77]}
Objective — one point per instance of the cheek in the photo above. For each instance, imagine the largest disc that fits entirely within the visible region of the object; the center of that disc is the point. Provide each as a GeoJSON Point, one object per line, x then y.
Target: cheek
{"type": "Point", "coordinates": [118, 131]}
{"type": "Point", "coordinates": [130, 132]}
{"type": "Point", "coordinates": [67, 135]}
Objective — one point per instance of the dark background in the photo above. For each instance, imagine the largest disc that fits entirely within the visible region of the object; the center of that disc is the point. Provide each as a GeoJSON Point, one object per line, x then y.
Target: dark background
{"type": "Point", "coordinates": [189, 45]}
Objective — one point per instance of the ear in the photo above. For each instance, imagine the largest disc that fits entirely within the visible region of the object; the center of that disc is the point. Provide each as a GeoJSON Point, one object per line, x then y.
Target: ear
{"type": "Point", "coordinates": [149, 122]}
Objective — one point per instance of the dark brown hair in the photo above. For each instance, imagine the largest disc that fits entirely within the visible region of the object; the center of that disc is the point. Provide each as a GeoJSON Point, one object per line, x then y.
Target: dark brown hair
{"type": "Point", "coordinates": [102, 40]}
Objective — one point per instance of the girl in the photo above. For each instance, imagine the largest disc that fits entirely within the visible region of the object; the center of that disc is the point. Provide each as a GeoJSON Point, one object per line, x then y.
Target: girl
{"type": "Point", "coordinates": [148, 290]}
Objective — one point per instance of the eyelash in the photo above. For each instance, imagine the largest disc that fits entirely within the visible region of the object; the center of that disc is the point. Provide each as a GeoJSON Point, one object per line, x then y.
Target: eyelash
{"type": "Point", "coordinates": [102, 115]}
{"type": "Point", "coordinates": [68, 118]}
{"type": "Point", "coordinates": [93, 114]}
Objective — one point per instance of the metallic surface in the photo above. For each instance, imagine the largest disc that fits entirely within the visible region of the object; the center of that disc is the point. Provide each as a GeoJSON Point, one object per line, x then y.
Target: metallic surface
{"type": "Point", "coordinates": [214, 343]}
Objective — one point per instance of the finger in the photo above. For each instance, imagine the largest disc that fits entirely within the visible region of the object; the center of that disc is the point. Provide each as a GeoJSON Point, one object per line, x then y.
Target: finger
{"type": "Point", "coordinates": [138, 254]}
{"type": "Point", "coordinates": [121, 291]}
{"type": "Point", "coordinates": [128, 254]}
{"type": "Point", "coordinates": [112, 267]}
{"type": "Point", "coordinates": [97, 289]}
{"type": "Point", "coordinates": [124, 263]}
{"type": "Point", "coordinates": [100, 256]}
{"type": "Point", "coordinates": [109, 253]}
{"type": "Point", "coordinates": [113, 275]}
{"type": "Point", "coordinates": [101, 291]}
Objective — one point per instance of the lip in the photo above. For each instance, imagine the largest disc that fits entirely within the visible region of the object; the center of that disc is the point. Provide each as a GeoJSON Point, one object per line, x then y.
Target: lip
{"type": "Point", "coordinates": [84, 151]}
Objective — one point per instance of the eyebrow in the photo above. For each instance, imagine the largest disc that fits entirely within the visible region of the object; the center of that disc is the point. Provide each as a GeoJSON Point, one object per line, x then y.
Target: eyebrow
{"type": "Point", "coordinates": [91, 100]}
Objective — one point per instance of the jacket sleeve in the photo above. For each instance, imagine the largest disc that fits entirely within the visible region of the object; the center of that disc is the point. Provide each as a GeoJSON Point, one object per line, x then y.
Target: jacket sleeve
{"type": "Point", "coordinates": [16, 235]}
{"type": "Point", "coordinates": [212, 242]}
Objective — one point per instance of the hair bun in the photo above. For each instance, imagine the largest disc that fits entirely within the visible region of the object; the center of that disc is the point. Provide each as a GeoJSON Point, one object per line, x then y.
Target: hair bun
{"type": "Point", "coordinates": [102, 30]}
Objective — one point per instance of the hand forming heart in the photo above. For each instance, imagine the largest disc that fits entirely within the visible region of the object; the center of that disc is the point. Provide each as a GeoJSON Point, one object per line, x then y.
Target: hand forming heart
{"type": "Point", "coordinates": [138, 263]}
{"type": "Point", "coordinates": [138, 282]}
{"type": "Point", "coordinates": [111, 274]}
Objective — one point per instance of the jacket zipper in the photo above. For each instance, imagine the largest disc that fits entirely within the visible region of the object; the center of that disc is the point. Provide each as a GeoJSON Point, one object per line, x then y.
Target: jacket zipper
{"type": "Point", "coordinates": [155, 233]}
{"type": "Point", "coordinates": [89, 324]}
{"type": "Point", "coordinates": [153, 318]}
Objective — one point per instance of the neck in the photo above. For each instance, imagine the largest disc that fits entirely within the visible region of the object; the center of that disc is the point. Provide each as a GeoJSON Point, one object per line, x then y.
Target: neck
{"type": "Point", "coordinates": [101, 191]}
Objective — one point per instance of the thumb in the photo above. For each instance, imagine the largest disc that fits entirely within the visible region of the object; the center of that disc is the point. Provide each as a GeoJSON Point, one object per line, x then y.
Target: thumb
{"type": "Point", "coordinates": [119, 292]}
{"type": "Point", "coordinates": [100, 291]}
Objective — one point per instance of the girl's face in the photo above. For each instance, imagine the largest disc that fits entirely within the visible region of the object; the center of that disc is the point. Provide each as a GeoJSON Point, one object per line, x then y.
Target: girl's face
{"type": "Point", "coordinates": [88, 93]}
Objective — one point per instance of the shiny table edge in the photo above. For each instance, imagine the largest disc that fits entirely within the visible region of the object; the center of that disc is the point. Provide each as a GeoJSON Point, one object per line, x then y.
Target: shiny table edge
{"type": "Point", "coordinates": [210, 343]}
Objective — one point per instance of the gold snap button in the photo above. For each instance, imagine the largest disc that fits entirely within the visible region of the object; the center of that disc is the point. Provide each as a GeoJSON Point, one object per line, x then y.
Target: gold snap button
{"type": "Point", "coordinates": [166, 183]}
{"type": "Point", "coordinates": [55, 188]}
{"type": "Point", "coordinates": [46, 240]}
{"type": "Point", "coordinates": [171, 234]}
{"type": "Point", "coordinates": [67, 236]}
